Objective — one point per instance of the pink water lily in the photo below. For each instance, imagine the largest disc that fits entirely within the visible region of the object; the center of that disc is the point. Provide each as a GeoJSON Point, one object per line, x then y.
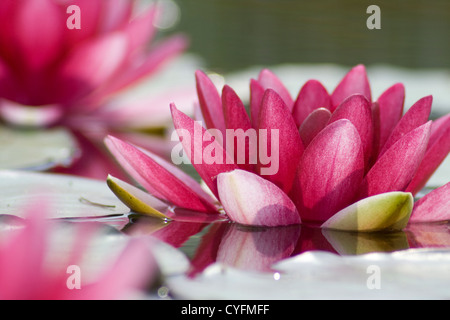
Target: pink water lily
{"type": "Point", "coordinates": [341, 156]}
{"type": "Point", "coordinates": [33, 268]}
{"type": "Point", "coordinates": [52, 74]}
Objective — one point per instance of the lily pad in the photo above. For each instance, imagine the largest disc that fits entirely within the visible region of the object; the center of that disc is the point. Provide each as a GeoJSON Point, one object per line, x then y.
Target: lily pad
{"type": "Point", "coordinates": [383, 212]}
{"type": "Point", "coordinates": [68, 196]}
{"type": "Point", "coordinates": [408, 274]}
{"type": "Point", "coordinates": [34, 149]}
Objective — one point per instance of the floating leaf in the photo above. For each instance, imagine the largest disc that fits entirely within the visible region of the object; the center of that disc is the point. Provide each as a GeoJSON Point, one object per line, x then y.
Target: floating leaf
{"type": "Point", "coordinates": [69, 196]}
{"type": "Point", "coordinates": [34, 149]}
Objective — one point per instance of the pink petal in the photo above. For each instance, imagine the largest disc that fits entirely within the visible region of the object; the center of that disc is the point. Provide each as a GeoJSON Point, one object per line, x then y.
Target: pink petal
{"type": "Point", "coordinates": [38, 38]}
{"type": "Point", "coordinates": [91, 64]}
{"type": "Point", "coordinates": [312, 95]}
{"type": "Point", "coordinates": [146, 64]}
{"type": "Point", "coordinates": [119, 279]}
{"type": "Point", "coordinates": [207, 155]}
{"type": "Point", "coordinates": [141, 29]}
{"type": "Point", "coordinates": [210, 102]}
{"type": "Point", "coordinates": [435, 206]}
{"type": "Point", "coordinates": [156, 179]}
{"type": "Point", "coordinates": [329, 172]}
{"type": "Point", "coordinates": [355, 81]}
{"type": "Point", "coordinates": [115, 14]}
{"type": "Point", "coordinates": [357, 109]}
{"type": "Point", "coordinates": [236, 120]}
{"type": "Point", "coordinates": [376, 133]}
{"type": "Point", "coordinates": [157, 145]}
{"type": "Point", "coordinates": [8, 11]}
{"type": "Point", "coordinates": [251, 200]}
{"type": "Point", "coordinates": [268, 80]}
{"type": "Point", "coordinates": [234, 111]}
{"type": "Point", "coordinates": [206, 252]}
{"type": "Point", "coordinates": [93, 161]}
{"type": "Point", "coordinates": [416, 116]}
{"type": "Point", "coordinates": [90, 17]}
{"type": "Point", "coordinates": [391, 110]}
{"type": "Point", "coordinates": [287, 146]}
{"type": "Point", "coordinates": [256, 96]}
{"type": "Point", "coordinates": [437, 151]}
{"type": "Point", "coordinates": [313, 124]}
{"type": "Point", "coordinates": [6, 81]}
{"type": "Point", "coordinates": [394, 170]}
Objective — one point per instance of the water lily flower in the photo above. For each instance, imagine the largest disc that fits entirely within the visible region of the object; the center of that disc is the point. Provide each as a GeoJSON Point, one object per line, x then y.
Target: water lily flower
{"type": "Point", "coordinates": [54, 74]}
{"type": "Point", "coordinates": [344, 161]}
{"type": "Point", "coordinates": [33, 268]}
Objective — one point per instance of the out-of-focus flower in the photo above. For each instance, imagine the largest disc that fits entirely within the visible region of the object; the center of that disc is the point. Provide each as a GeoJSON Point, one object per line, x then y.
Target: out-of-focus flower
{"type": "Point", "coordinates": [30, 269]}
{"type": "Point", "coordinates": [55, 75]}
{"type": "Point", "coordinates": [343, 160]}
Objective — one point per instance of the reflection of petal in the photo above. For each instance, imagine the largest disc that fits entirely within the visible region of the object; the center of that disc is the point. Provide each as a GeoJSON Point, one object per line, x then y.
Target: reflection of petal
{"type": "Point", "coordinates": [428, 235]}
{"type": "Point", "coordinates": [175, 233]}
{"type": "Point", "coordinates": [206, 253]}
{"type": "Point", "coordinates": [312, 238]}
{"type": "Point", "coordinates": [359, 243]}
{"type": "Point", "coordinates": [256, 249]}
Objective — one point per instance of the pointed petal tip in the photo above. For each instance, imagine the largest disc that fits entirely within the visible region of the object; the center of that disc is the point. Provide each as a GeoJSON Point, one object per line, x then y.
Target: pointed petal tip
{"type": "Point", "coordinates": [355, 81]}
{"type": "Point", "coordinates": [434, 206]}
{"type": "Point", "coordinates": [137, 200]}
{"type": "Point", "coordinates": [383, 212]}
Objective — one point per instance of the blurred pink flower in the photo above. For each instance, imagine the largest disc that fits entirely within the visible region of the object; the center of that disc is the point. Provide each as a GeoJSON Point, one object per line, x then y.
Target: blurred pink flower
{"type": "Point", "coordinates": [27, 271]}
{"type": "Point", "coordinates": [59, 76]}
{"type": "Point", "coordinates": [336, 151]}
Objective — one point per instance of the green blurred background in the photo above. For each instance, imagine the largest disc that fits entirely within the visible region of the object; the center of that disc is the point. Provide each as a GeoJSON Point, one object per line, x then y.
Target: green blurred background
{"type": "Point", "coordinates": [233, 34]}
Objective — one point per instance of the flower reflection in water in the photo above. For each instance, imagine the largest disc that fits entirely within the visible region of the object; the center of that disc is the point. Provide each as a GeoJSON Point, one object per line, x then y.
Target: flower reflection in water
{"type": "Point", "coordinates": [258, 249]}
